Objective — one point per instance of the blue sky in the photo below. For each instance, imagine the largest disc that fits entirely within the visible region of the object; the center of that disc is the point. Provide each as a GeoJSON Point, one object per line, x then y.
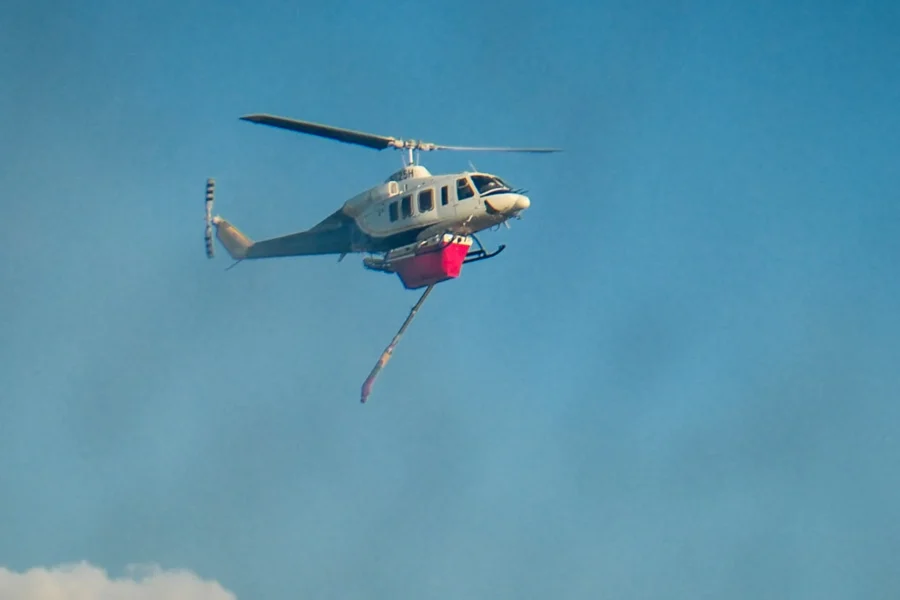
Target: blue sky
{"type": "Point", "coordinates": [678, 381]}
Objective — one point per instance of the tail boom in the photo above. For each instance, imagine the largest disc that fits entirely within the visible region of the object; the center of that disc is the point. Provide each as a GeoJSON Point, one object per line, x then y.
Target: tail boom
{"type": "Point", "coordinates": [314, 242]}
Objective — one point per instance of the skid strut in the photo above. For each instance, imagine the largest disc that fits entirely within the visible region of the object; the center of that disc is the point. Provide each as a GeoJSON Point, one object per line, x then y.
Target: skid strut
{"type": "Point", "coordinates": [389, 351]}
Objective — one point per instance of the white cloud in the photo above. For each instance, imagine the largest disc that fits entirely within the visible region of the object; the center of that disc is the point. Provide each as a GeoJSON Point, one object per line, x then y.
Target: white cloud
{"type": "Point", "coordinates": [82, 581]}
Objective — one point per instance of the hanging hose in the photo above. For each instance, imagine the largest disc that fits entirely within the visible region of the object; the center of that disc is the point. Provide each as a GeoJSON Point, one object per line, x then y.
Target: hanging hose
{"type": "Point", "coordinates": [388, 352]}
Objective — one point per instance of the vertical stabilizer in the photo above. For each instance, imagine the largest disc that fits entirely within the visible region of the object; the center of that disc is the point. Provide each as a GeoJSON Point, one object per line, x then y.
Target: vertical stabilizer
{"type": "Point", "coordinates": [236, 243]}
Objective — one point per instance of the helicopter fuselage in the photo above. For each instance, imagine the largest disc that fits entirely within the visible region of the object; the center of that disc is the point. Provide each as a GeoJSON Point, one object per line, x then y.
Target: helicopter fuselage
{"type": "Point", "coordinates": [412, 204]}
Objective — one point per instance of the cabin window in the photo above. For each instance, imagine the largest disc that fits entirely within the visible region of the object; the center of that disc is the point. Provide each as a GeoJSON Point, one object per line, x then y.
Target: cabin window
{"type": "Point", "coordinates": [392, 211]}
{"type": "Point", "coordinates": [464, 189]}
{"type": "Point", "coordinates": [406, 206]}
{"type": "Point", "coordinates": [426, 200]}
{"type": "Point", "coordinates": [445, 195]}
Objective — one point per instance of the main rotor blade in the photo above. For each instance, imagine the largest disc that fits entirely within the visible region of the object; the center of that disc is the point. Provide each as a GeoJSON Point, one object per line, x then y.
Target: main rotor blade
{"type": "Point", "coordinates": [370, 140]}
{"type": "Point", "coordinates": [489, 149]}
{"type": "Point", "coordinates": [348, 136]}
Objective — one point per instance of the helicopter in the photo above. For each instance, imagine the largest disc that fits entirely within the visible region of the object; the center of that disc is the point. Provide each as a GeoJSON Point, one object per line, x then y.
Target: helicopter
{"type": "Point", "coordinates": [418, 225]}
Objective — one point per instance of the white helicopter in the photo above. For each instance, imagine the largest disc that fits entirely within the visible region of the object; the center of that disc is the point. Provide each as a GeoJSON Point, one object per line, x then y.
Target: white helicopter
{"type": "Point", "coordinates": [411, 206]}
{"type": "Point", "coordinates": [422, 225]}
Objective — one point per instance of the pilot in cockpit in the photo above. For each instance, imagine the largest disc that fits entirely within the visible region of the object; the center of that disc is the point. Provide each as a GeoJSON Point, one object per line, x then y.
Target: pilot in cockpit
{"type": "Point", "coordinates": [486, 183]}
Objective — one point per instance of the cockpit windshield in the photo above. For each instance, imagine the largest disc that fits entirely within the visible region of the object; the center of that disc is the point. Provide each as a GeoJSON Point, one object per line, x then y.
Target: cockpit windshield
{"type": "Point", "coordinates": [486, 184]}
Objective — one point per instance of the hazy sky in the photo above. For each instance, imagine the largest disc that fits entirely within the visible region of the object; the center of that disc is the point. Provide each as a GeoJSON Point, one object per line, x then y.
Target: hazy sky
{"type": "Point", "coordinates": [679, 381]}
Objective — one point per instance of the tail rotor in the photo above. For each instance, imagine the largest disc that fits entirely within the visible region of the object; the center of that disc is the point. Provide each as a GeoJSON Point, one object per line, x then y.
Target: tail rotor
{"type": "Point", "coordinates": [210, 194]}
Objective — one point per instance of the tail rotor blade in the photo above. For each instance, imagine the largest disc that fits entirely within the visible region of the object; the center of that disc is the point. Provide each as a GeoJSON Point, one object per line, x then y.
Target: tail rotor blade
{"type": "Point", "coordinates": [210, 195]}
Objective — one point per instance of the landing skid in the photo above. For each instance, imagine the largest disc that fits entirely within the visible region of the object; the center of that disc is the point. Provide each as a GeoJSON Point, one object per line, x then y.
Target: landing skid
{"type": "Point", "coordinates": [481, 253]}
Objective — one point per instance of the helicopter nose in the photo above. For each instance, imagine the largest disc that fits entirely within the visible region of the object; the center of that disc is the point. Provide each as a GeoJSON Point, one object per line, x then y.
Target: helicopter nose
{"type": "Point", "coordinates": [507, 204]}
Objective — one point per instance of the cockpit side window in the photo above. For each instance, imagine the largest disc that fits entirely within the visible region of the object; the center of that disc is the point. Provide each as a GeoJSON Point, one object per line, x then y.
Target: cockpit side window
{"type": "Point", "coordinates": [487, 183]}
{"type": "Point", "coordinates": [464, 189]}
